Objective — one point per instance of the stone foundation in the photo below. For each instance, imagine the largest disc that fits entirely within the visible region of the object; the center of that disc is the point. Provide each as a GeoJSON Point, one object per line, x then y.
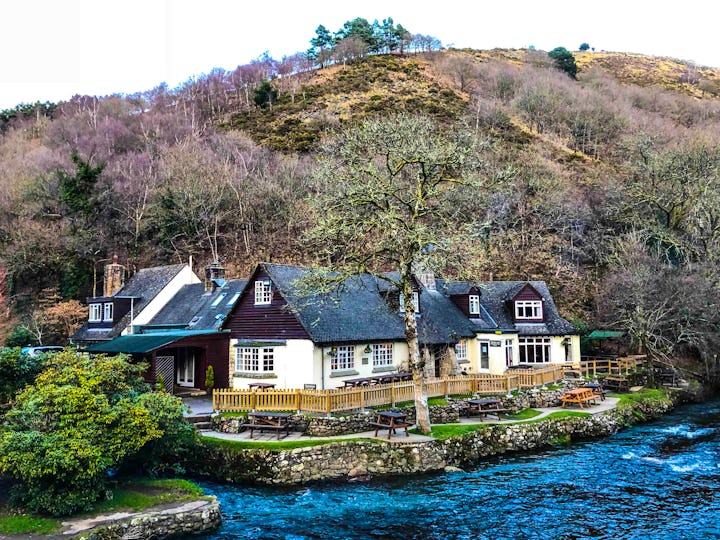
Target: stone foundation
{"type": "Point", "coordinates": [193, 517]}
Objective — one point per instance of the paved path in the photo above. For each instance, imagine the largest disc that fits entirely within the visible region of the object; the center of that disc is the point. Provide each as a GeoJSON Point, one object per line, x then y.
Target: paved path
{"type": "Point", "coordinates": [602, 406]}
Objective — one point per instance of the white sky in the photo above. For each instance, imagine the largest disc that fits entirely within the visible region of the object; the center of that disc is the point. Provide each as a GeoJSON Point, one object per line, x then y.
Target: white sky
{"type": "Point", "coordinates": [53, 49]}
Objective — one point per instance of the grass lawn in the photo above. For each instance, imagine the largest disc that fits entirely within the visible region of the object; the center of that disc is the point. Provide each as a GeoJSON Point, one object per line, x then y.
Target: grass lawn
{"type": "Point", "coordinates": [137, 495]}
{"type": "Point", "coordinates": [647, 393]}
{"type": "Point", "coordinates": [280, 445]}
{"type": "Point", "coordinates": [134, 495]}
{"type": "Point", "coordinates": [558, 414]}
{"type": "Point", "coordinates": [445, 431]}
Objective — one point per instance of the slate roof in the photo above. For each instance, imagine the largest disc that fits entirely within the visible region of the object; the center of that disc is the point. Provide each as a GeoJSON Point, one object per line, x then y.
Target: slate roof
{"type": "Point", "coordinates": [195, 309]}
{"type": "Point", "coordinates": [496, 299]}
{"type": "Point", "coordinates": [358, 311]}
{"type": "Point", "coordinates": [144, 285]}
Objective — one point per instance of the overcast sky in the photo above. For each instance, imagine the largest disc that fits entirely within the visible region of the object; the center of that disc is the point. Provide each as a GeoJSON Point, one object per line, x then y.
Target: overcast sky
{"type": "Point", "coordinates": [53, 49]}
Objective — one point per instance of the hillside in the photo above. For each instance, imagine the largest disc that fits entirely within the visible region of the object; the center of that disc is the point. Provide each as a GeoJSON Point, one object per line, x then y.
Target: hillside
{"type": "Point", "coordinates": [601, 180]}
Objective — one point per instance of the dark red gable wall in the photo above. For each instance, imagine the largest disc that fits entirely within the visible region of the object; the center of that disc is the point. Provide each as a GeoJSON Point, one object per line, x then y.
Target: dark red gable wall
{"type": "Point", "coordinates": [273, 321]}
{"type": "Point", "coordinates": [462, 301]}
{"type": "Point", "coordinates": [528, 292]}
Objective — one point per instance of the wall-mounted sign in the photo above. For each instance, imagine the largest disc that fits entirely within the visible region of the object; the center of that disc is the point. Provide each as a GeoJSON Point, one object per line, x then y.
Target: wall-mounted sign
{"type": "Point", "coordinates": [495, 343]}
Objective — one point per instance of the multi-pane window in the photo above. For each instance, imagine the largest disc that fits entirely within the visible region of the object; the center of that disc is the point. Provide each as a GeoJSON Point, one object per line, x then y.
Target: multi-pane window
{"type": "Point", "coordinates": [108, 312]}
{"type": "Point", "coordinates": [344, 358]}
{"type": "Point", "coordinates": [508, 352]}
{"type": "Point", "coordinates": [383, 354]}
{"type": "Point", "coordinates": [258, 359]}
{"type": "Point", "coordinates": [484, 355]}
{"type": "Point", "coordinates": [534, 350]}
{"type": "Point", "coordinates": [474, 304]}
{"type": "Point", "coordinates": [416, 302]}
{"type": "Point", "coordinates": [461, 352]}
{"type": "Point", "coordinates": [528, 309]}
{"type": "Point", "coordinates": [95, 313]}
{"type": "Point", "coordinates": [263, 292]}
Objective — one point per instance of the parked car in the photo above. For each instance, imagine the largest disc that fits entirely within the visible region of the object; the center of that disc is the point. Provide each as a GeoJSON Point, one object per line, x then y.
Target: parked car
{"type": "Point", "coordinates": [35, 351]}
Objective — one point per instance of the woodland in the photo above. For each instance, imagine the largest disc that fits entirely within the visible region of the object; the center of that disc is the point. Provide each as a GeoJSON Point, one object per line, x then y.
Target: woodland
{"type": "Point", "coordinates": [606, 184]}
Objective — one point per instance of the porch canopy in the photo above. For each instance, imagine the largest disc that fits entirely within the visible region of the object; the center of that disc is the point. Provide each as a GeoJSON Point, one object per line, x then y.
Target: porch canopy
{"type": "Point", "coordinates": [146, 343]}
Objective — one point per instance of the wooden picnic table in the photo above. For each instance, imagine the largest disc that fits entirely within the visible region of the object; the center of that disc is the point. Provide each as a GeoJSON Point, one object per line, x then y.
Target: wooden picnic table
{"type": "Point", "coordinates": [485, 407]}
{"type": "Point", "coordinates": [378, 379]}
{"type": "Point", "coordinates": [272, 421]}
{"type": "Point", "coordinates": [579, 396]}
{"type": "Point", "coordinates": [597, 389]}
{"type": "Point", "coordinates": [391, 421]}
{"type": "Point", "coordinates": [260, 385]}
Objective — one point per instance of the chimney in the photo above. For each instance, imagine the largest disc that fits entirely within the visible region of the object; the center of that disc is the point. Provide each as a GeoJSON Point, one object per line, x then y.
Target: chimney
{"type": "Point", "coordinates": [113, 278]}
{"type": "Point", "coordinates": [214, 276]}
{"type": "Point", "coordinates": [427, 278]}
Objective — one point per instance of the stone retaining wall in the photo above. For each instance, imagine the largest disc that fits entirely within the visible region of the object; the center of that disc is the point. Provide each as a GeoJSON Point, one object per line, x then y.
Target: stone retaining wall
{"type": "Point", "coordinates": [194, 517]}
{"type": "Point", "coordinates": [352, 459]}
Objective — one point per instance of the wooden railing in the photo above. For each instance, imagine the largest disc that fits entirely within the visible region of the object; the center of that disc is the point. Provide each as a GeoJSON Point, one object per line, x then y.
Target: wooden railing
{"type": "Point", "coordinates": [349, 399]}
{"type": "Point", "coordinates": [591, 366]}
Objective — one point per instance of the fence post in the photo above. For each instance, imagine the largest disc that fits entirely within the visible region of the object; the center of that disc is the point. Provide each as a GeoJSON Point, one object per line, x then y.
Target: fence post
{"type": "Point", "coordinates": [362, 398]}
{"type": "Point", "coordinates": [253, 401]}
{"type": "Point", "coordinates": [298, 397]}
{"type": "Point", "coordinates": [445, 386]}
{"type": "Point", "coordinates": [507, 383]}
{"type": "Point", "coordinates": [328, 404]}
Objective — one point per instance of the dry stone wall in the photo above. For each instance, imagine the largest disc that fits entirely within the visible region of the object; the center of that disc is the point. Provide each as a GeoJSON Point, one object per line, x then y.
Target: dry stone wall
{"type": "Point", "coordinates": [358, 459]}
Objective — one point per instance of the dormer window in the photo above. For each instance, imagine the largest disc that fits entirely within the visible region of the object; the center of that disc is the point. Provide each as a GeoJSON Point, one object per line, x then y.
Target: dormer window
{"type": "Point", "coordinates": [95, 313]}
{"type": "Point", "coordinates": [107, 311]}
{"type": "Point", "coordinates": [416, 302]}
{"type": "Point", "coordinates": [474, 301]}
{"type": "Point", "coordinates": [528, 310]}
{"type": "Point", "coordinates": [263, 292]}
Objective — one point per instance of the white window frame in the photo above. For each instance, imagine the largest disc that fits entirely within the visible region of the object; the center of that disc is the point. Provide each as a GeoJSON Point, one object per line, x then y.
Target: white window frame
{"type": "Point", "coordinates": [108, 311]}
{"type": "Point", "coordinates": [263, 292]}
{"type": "Point", "coordinates": [538, 344]}
{"type": "Point", "coordinates": [474, 304]}
{"type": "Point", "coordinates": [528, 309]}
{"type": "Point", "coordinates": [461, 350]}
{"type": "Point", "coordinates": [95, 314]}
{"type": "Point", "coordinates": [383, 355]}
{"type": "Point", "coordinates": [255, 359]}
{"type": "Point", "coordinates": [344, 358]}
{"type": "Point", "coordinates": [416, 302]}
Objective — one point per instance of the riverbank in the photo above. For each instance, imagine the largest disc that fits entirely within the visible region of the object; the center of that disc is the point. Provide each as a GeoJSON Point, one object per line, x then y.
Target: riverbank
{"type": "Point", "coordinates": [354, 459]}
{"type": "Point", "coordinates": [138, 509]}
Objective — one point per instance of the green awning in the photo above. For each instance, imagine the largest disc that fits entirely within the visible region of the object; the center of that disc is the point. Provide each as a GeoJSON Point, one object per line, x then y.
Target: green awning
{"type": "Point", "coordinates": [605, 334]}
{"type": "Point", "coordinates": [142, 343]}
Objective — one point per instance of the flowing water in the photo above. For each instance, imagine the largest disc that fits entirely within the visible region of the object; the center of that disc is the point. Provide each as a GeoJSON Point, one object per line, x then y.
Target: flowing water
{"type": "Point", "coordinates": [656, 481]}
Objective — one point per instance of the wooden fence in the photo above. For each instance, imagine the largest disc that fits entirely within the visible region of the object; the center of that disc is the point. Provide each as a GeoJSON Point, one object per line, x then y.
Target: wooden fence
{"type": "Point", "coordinates": [593, 366]}
{"type": "Point", "coordinates": [349, 399]}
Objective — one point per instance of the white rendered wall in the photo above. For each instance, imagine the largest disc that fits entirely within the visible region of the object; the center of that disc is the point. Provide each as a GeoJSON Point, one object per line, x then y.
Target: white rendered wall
{"type": "Point", "coordinates": [293, 365]}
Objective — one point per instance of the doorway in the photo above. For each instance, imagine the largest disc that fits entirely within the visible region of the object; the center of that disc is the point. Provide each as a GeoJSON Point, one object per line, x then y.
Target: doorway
{"type": "Point", "coordinates": [185, 373]}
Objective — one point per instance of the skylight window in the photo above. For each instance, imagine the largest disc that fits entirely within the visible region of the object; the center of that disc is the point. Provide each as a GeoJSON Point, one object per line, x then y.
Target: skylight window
{"type": "Point", "coordinates": [233, 299]}
{"type": "Point", "coordinates": [219, 299]}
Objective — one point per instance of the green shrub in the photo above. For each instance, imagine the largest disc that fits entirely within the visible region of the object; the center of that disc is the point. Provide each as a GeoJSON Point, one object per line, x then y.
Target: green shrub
{"type": "Point", "coordinates": [81, 420]}
{"type": "Point", "coordinates": [209, 378]}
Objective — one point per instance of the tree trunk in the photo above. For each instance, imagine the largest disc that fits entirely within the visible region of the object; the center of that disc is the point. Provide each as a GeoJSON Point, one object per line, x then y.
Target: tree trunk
{"type": "Point", "coordinates": [422, 412]}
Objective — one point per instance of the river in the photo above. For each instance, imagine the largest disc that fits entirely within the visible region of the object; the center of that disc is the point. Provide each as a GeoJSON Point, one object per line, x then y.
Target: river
{"type": "Point", "coordinates": [656, 481]}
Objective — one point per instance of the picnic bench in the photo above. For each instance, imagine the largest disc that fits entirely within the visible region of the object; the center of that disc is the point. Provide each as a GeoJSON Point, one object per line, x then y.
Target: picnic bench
{"type": "Point", "coordinates": [260, 386]}
{"type": "Point", "coordinates": [378, 379]}
{"type": "Point", "coordinates": [617, 384]}
{"type": "Point", "coordinates": [391, 421]}
{"type": "Point", "coordinates": [270, 421]}
{"type": "Point", "coordinates": [597, 389]}
{"type": "Point", "coordinates": [485, 407]}
{"type": "Point", "coordinates": [579, 397]}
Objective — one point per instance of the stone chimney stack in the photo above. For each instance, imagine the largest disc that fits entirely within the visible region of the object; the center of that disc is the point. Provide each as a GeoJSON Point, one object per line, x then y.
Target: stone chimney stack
{"type": "Point", "coordinates": [214, 276]}
{"type": "Point", "coordinates": [114, 277]}
{"type": "Point", "coordinates": [427, 278]}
